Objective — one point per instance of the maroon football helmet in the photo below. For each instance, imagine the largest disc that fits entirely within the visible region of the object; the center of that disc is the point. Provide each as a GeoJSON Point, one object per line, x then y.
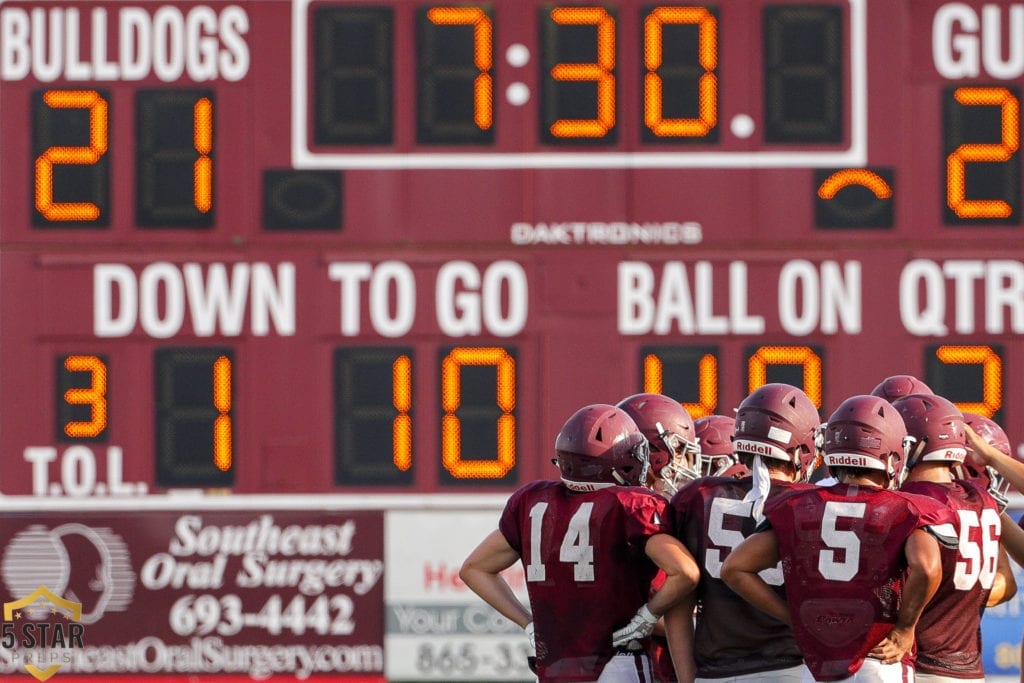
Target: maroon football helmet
{"type": "Point", "coordinates": [892, 388]}
{"type": "Point", "coordinates": [714, 435]}
{"type": "Point", "coordinates": [600, 445]}
{"type": "Point", "coordinates": [668, 428]}
{"type": "Point", "coordinates": [993, 434]}
{"type": "Point", "coordinates": [937, 427]}
{"type": "Point", "coordinates": [867, 432]}
{"type": "Point", "coordinates": [778, 421]}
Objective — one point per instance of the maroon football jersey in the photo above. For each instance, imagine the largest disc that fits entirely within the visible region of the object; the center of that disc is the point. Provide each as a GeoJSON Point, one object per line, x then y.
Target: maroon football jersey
{"type": "Point", "coordinates": [586, 570]}
{"type": "Point", "coordinates": [949, 633]}
{"type": "Point", "coordinates": [731, 636]}
{"type": "Point", "coordinates": [843, 546]}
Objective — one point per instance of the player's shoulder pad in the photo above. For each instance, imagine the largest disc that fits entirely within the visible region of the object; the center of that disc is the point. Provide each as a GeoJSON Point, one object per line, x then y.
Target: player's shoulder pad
{"type": "Point", "coordinates": [945, 534]}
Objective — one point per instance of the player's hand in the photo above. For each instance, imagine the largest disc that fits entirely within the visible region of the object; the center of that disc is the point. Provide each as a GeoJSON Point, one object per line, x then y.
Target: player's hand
{"type": "Point", "coordinates": [979, 450]}
{"type": "Point", "coordinates": [892, 648]}
{"type": "Point", "coordinates": [638, 628]}
{"type": "Point", "coordinates": [531, 654]}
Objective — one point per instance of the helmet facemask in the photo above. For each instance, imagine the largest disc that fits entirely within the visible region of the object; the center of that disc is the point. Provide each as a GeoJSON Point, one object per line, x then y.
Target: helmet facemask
{"type": "Point", "coordinates": [997, 482]}
{"type": "Point", "coordinates": [716, 465]}
{"type": "Point", "coordinates": [684, 464]}
{"type": "Point", "coordinates": [642, 453]}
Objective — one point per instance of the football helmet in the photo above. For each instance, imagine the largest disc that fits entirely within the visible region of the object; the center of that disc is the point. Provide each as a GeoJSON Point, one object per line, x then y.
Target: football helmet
{"type": "Point", "coordinates": [936, 426]}
{"type": "Point", "coordinates": [993, 434]}
{"type": "Point", "coordinates": [600, 445]}
{"type": "Point", "coordinates": [714, 435]}
{"type": "Point", "coordinates": [668, 428]}
{"type": "Point", "coordinates": [867, 432]}
{"type": "Point", "coordinates": [892, 388]}
{"type": "Point", "coordinates": [778, 421]}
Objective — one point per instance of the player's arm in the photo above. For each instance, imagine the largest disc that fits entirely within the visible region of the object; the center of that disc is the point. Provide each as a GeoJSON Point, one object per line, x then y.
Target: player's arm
{"type": "Point", "coordinates": [924, 571]}
{"type": "Point", "coordinates": [681, 576]}
{"type": "Point", "coordinates": [681, 571]}
{"type": "Point", "coordinates": [740, 570]}
{"type": "Point", "coordinates": [1004, 586]}
{"type": "Point", "coordinates": [481, 571]}
{"type": "Point", "coordinates": [679, 634]}
{"type": "Point", "coordinates": [1011, 469]}
{"type": "Point", "coordinates": [1012, 539]}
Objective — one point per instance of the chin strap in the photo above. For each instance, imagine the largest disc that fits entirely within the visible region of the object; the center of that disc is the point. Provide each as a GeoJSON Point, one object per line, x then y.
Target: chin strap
{"type": "Point", "coordinates": [913, 447]}
{"type": "Point", "coordinates": [758, 493]}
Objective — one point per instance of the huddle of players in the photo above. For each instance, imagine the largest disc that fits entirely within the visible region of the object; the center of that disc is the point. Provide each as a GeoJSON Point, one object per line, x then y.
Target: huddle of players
{"type": "Point", "coordinates": [706, 539]}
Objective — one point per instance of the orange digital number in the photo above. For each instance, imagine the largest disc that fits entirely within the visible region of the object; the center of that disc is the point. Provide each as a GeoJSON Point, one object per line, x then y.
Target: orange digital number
{"type": "Point", "coordinates": [707, 52]}
{"type": "Point", "coordinates": [94, 396]}
{"type": "Point", "coordinates": [956, 162]}
{"type": "Point", "coordinates": [600, 72]}
{"type": "Point", "coordinates": [991, 373]}
{"type": "Point", "coordinates": [401, 399]}
{"type": "Point", "coordinates": [707, 383]}
{"type": "Point", "coordinates": [202, 140]}
{"type": "Point", "coordinates": [765, 356]}
{"type": "Point", "coordinates": [91, 101]}
{"type": "Point", "coordinates": [483, 48]}
{"type": "Point", "coordinates": [222, 451]}
{"type": "Point", "coordinates": [451, 426]}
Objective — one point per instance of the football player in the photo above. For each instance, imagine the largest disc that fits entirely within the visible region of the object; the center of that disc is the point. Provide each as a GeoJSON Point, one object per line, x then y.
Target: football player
{"type": "Point", "coordinates": [1012, 538]}
{"type": "Point", "coordinates": [668, 428]}
{"type": "Point", "coordinates": [774, 436]}
{"type": "Point", "coordinates": [676, 461]}
{"type": "Point", "coordinates": [949, 632]}
{"type": "Point", "coordinates": [866, 557]}
{"type": "Point", "coordinates": [989, 454]}
{"type": "Point", "coordinates": [714, 436]}
{"type": "Point", "coordinates": [590, 545]}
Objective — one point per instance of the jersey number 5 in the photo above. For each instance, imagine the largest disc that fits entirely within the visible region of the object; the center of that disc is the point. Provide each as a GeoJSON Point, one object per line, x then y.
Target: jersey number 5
{"type": "Point", "coordinates": [721, 508]}
{"type": "Point", "coordinates": [845, 567]}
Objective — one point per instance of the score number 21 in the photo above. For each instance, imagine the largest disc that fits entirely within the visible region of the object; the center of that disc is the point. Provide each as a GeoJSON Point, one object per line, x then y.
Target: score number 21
{"type": "Point", "coordinates": [173, 159]}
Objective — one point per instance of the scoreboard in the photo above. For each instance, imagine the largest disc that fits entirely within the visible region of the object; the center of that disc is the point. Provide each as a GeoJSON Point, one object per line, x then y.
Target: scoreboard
{"type": "Point", "coordinates": [294, 293]}
{"type": "Point", "coordinates": [387, 247]}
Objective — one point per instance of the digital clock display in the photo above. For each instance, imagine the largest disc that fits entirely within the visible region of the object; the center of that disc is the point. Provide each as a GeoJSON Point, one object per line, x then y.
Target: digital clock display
{"type": "Point", "coordinates": [321, 246]}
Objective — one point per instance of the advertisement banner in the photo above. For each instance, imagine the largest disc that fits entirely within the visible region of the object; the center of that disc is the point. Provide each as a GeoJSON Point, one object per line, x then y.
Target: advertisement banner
{"type": "Point", "coordinates": [255, 593]}
{"type": "Point", "coordinates": [436, 628]}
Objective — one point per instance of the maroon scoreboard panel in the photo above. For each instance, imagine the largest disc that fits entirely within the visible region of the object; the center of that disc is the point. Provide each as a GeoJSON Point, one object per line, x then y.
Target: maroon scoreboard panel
{"type": "Point", "coordinates": [333, 247]}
